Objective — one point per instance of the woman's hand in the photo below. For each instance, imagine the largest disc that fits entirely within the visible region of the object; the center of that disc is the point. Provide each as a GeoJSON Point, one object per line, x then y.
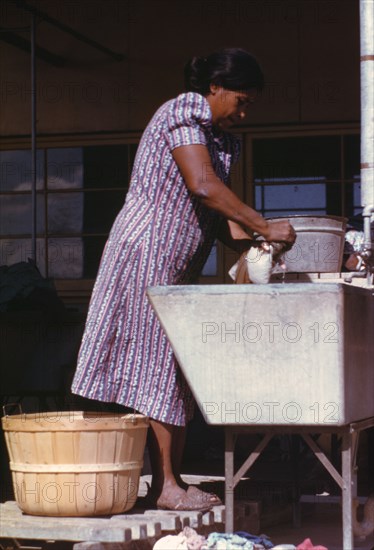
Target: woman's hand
{"type": "Point", "coordinates": [280, 231]}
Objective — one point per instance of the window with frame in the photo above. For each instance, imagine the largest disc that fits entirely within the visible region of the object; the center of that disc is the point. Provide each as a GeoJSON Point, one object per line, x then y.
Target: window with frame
{"type": "Point", "coordinates": [79, 192]}
{"type": "Point", "coordinates": [307, 175]}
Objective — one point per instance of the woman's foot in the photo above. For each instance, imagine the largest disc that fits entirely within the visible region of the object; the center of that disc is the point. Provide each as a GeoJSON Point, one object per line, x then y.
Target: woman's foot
{"type": "Point", "coordinates": [199, 494]}
{"type": "Point", "coordinates": [196, 499]}
{"type": "Point", "coordinates": [203, 496]}
{"type": "Point", "coordinates": [177, 499]}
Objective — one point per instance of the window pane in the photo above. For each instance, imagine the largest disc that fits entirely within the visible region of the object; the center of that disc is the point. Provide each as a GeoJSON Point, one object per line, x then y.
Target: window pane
{"type": "Point", "coordinates": [65, 168]}
{"type": "Point", "coordinates": [258, 197]}
{"type": "Point", "coordinates": [106, 167]}
{"type": "Point", "coordinates": [15, 214]}
{"type": "Point", "coordinates": [291, 197]}
{"type": "Point", "coordinates": [210, 267]}
{"type": "Point", "coordinates": [86, 188]}
{"type": "Point", "coordinates": [65, 258]}
{"type": "Point", "coordinates": [65, 212]}
{"type": "Point", "coordinates": [351, 156]}
{"type": "Point", "coordinates": [297, 175]}
{"type": "Point", "coordinates": [15, 170]}
{"type": "Point", "coordinates": [20, 250]}
{"type": "Point", "coordinates": [101, 209]}
{"type": "Point", "coordinates": [308, 157]}
{"type": "Point", "coordinates": [93, 249]}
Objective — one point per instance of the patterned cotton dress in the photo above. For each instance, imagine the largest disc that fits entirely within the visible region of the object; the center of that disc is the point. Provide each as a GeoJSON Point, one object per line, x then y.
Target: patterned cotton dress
{"type": "Point", "coordinates": [162, 236]}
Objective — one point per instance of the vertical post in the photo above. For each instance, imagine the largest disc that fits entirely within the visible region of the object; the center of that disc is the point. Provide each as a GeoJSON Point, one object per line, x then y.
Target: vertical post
{"type": "Point", "coordinates": [229, 479]}
{"type": "Point", "coordinates": [295, 458]}
{"type": "Point", "coordinates": [348, 488]}
{"type": "Point", "coordinates": [33, 142]}
{"type": "Point", "coordinates": [367, 117]}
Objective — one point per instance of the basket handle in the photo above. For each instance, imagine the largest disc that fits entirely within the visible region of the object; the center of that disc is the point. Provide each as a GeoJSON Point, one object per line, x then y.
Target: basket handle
{"type": "Point", "coordinates": [12, 405]}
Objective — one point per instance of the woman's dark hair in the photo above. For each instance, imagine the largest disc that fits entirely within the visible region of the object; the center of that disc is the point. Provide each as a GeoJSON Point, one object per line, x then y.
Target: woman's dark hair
{"type": "Point", "coordinates": [232, 68]}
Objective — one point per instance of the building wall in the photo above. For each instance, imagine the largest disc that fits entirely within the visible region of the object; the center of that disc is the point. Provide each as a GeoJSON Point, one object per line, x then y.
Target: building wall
{"type": "Point", "coordinates": [309, 50]}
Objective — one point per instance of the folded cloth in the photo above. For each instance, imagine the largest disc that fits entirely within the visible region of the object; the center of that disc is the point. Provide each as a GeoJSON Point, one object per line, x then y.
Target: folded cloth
{"type": "Point", "coordinates": [260, 539]}
{"type": "Point", "coordinates": [308, 545]}
{"type": "Point", "coordinates": [227, 541]}
{"type": "Point", "coordinates": [256, 264]}
{"type": "Point", "coordinates": [188, 539]}
{"type": "Point", "coordinates": [171, 542]}
{"type": "Point", "coordinates": [194, 540]}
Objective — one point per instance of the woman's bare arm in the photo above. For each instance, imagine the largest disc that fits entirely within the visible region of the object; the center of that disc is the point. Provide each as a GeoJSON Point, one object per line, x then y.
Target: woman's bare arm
{"type": "Point", "coordinates": [234, 236]}
{"type": "Point", "coordinates": [196, 168]}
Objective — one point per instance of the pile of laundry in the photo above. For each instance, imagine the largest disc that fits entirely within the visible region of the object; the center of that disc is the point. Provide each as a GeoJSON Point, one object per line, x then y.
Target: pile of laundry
{"type": "Point", "coordinates": [189, 539]}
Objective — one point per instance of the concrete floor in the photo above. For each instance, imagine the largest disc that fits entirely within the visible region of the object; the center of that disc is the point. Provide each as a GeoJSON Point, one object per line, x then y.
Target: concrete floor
{"type": "Point", "coordinates": [323, 527]}
{"type": "Point", "coordinates": [320, 522]}
{"type": "Point", "coordinates": [273, 476]}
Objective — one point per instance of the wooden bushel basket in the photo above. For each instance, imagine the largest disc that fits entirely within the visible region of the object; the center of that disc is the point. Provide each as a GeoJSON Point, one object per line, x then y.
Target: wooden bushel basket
{"type": "Point", "coordinates": [75, 463]}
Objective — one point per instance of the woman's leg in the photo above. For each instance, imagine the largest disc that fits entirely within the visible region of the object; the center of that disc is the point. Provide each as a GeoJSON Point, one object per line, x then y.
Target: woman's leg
{"type": "Point", "coordinates": [165, 444]}
{"type": "Point", "coordinates": [178, 445]}
{"type": "Point", "coordinates": [161, 447]}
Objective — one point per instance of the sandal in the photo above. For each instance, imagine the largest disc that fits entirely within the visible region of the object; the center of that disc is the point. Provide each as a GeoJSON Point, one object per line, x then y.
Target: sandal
{"type": "Point", "coordinates": [203, 497]}
{"type": "Point", "coordinates": [186, 501]}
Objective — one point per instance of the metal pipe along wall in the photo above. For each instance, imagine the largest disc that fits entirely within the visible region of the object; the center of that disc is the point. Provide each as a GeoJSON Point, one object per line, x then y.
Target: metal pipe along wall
{"type": "Point", "coordinates": [367, 106]}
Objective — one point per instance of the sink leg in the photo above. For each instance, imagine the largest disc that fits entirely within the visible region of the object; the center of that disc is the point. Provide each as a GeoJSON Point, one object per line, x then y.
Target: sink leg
{"type": "Point", "coordinates": [295, 454]}
{"type": "Point", "coordinates": [229, 479]}
{"type": "Point", "coordinates": [348, 488]}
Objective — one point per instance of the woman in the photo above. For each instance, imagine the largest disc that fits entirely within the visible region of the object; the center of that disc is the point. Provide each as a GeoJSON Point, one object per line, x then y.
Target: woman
{"type": "Point", "coordinates": [178, 203]}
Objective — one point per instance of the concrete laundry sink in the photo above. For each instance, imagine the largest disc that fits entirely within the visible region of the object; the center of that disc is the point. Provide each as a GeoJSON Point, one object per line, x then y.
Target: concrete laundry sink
{"type": "Point", "coordinates": [276, 354]}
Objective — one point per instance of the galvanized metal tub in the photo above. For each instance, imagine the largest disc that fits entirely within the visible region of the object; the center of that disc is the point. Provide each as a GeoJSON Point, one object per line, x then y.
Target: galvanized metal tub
{"type": "Point", "coordinates": [319, 244]}
{"type": "Point", "coordinates": [299, 353]}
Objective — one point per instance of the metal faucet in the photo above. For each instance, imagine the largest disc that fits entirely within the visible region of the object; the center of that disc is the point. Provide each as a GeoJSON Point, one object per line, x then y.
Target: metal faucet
{"type": "Point", "coordinates": [363, 251]}
{"type": "Point", "coordinates": [367, 214]}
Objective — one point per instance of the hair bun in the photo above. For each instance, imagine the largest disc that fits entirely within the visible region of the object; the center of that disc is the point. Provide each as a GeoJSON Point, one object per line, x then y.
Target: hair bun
{"type": "Point", "coordinates": [231, 68]}
{"type": "Point", "coordinates": [198, 63]}
{"type": "Point", "coordinates": [195, 74]}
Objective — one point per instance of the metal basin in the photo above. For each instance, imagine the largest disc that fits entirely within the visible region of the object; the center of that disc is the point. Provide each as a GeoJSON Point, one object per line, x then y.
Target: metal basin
{"type": "Point", "coordinates": [299, 353]}
{"type": "Point", "coordinates": [319, 244]}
